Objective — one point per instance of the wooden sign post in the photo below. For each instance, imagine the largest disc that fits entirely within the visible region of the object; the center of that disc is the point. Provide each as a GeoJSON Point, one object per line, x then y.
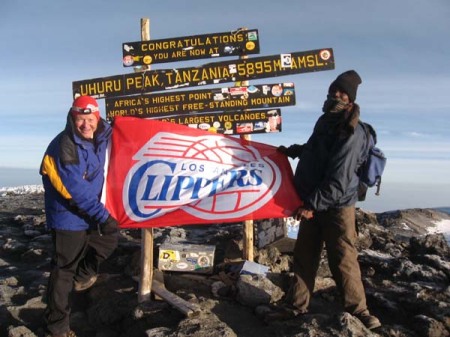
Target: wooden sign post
{"type": "Point", "coordinates": [145, 281]}
{"type": "Point", "coordinates": [248, 224]}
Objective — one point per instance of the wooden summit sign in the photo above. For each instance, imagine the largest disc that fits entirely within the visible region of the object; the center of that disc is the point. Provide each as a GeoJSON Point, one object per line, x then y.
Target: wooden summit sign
{"type": "Point", "coordinates": [232, 122]}
{"type": "Point", "coordinates": [212, 73]}
{"type": "Point", "coordinates": [199, 101]}
{"type": "Point", "coordinates": [239, 42]}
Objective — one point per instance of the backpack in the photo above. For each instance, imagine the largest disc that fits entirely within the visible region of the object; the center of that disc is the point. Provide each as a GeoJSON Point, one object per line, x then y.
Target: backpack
{"type": "Point", "coordinates": [372, 168]}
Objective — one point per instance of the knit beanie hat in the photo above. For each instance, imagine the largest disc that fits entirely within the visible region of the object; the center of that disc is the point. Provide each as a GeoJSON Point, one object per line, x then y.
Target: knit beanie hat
{"type": "Point", "coordinates": [84, 105]}
{"type": "Point", "coordinates": [347, 82]}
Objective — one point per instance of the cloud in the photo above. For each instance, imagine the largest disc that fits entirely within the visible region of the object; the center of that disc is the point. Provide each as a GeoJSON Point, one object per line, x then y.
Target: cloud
{"type": "Point", "coordinates": [416, 134]}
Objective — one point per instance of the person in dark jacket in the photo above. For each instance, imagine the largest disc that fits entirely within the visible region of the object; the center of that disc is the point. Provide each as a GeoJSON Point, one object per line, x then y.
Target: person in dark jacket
{"type": "Point", "coordinates": [84, 234]}
{"type": "Point", "coordinates": [327, 182]}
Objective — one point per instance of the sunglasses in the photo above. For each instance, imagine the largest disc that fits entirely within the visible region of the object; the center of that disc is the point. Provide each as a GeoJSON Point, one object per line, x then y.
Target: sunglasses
{"type": "Point", "coordinates": [273, 114]}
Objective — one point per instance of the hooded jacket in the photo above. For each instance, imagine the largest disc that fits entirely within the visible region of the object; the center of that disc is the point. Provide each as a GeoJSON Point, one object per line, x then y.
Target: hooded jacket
{"type": "Point", "coordinates": [73, 174]}
{"type": "Point", "coordinates": [326, 175]}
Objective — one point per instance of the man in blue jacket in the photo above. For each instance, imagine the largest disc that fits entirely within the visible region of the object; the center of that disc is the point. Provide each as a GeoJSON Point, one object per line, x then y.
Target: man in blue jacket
{"type": "Point", "coordinates": [327, 182]}
{"type": "Point", "coordinates": [84, 233]}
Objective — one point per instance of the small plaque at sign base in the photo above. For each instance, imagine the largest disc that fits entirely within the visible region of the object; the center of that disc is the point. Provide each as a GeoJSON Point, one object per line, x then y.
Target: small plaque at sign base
{"type": "Point", "coordinates": [186, 258]}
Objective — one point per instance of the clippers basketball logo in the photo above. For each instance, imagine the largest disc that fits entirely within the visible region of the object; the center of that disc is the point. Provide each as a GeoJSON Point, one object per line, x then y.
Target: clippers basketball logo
{"type": "Point", "coordinates": [208, 176]}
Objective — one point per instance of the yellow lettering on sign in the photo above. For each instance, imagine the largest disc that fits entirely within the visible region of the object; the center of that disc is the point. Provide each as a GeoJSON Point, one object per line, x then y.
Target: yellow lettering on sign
{"type": "Point", "coordinates": [152, 80]}
{"type": "Point", "coordinates": [161, 109]}
{"type": "Point", "coordinates": [197, 52]}
{"type": "Point", "coordinates": [242, 103]}
{"type": "Point", "coordinates": [115, 113]}
{"type": "Point", "coordinates": [161, 56]}
{"type": "Point", "coordinates": [270, 100]}
{"type": "Point", "coordinates": [134, 82]}
{"type": "Point", "coordinates": [213, 50]}
{"type": "Point", "coordinates": [298, 62]}
{"type": "Point", "coordinates": [270, 66]}
{"type": "Point", "coordinates": [193, 106]}
{"type": "Point", "coordinates": [199, 96]}
{"type": "Point", "coordinates": [284, 99]}
{"type": "Point", "coordinates": [228, 38]}
{"type": "Point", "coordinates": [307, 61]}
{"type": "Point", "coordinates": [263, 100]}
{"type": "Point", "coordinates": [195, 120]}
{"type": "Point", "coordinates": [247, 116]}
{"type": "Point", "coordinates": [239, 117]}
{"type": "Point", "coordinates": [170, 120]}
{"type": "Point", "coordinates": [162, 45]}
{"type": "Point", "coordinates": [168, 99]}
{"type": "Point", "coordinates": [101, 88]}
{"type": "Point", "coordinates": [130, 102]}
{"type": "Point", "coordinates": [179, 53]}
{"type": "Point", "coordinates": [186, 75]}
{"type": "Point", "coordinates": [193, 42]}
{"type": "Point", "coordinates": [258, 67]}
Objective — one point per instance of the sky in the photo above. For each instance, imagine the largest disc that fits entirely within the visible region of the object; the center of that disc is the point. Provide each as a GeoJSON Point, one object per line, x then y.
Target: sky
{"type": "Point", "coordinates": [400, 49]}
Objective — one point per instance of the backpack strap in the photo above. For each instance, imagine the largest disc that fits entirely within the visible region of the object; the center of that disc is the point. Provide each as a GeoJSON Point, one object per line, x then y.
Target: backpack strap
{"type": "Point", "coordinates": [369, 131]}
{"type": "Point", "coordinates": [370, 140]}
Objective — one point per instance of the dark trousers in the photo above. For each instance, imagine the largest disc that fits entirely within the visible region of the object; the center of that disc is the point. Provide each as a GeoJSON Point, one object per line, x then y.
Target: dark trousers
{"type": "Point", "coordinates": [77, 256]}
{"type": "Point", "coordinates": [337, 230]}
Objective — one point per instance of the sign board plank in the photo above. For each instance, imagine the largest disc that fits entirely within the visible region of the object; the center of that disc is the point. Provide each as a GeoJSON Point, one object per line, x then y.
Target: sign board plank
{"type": "Point", "coordinates": [232, 122]}
{"type": "Point", "coordinates": [239, 42]}
{"type": "Point", "coordinates": [211, 73]}
{"type": "Point", "coordinates": [206, 100]}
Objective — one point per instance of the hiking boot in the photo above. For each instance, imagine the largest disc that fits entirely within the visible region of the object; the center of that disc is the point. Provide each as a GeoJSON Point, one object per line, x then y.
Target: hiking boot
{"type": "Point", "coordinates": [69, 333]}
{"type": "Point", "coordinates": [370, 321]}
{"type": "Point", "coordinates": [81, 286]}
{"type": "Point", "coordinates": [283, 313]}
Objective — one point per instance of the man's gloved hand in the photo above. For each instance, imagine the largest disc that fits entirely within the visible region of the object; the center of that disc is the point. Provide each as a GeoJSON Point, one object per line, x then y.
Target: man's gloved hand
{"type": "Point", "coordinates": [110, 226]}
{"type": "Point", "coordinates": [292, 151]}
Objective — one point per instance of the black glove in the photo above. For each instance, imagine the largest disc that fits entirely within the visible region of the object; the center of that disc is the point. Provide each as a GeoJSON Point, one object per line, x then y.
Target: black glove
{"type": "Point", "coordinates": [292, 151]}
{"type": "Point", "coordinates": [282, 149]}
{"type": "Point", "coordinates": [110, 226]}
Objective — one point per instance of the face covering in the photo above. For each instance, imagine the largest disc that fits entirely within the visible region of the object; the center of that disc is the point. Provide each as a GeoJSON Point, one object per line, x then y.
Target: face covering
{"type": "Point", "coordinates": [333, 104]}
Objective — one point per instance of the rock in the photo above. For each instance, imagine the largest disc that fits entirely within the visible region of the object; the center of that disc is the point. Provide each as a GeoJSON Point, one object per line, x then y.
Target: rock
{"type": "Point", "coordinates": [13, 247]}
{"type": "Point", "coordinates": [254, 290]}
{"type": "Point", "coordinates": [406, 274]}
{"type": "Point", "coordinates": [20, 331]}
{"type": "Point", "coordinates": [429, 327]}
{"type": "Point", "coordinates": [429, 244]}
{"type": "Point", "coordinates": [272, 257]}
{"type": "Point", "coordinates": [207, 324]}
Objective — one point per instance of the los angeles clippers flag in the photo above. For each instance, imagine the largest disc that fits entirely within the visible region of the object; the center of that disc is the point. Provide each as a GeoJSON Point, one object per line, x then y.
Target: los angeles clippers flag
{"type": "Point", "coordinates": [163, 174]}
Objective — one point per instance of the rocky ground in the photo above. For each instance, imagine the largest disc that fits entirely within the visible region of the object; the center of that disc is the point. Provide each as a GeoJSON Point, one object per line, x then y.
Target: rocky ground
{"type": "Point", "coordinates": [406, 273]}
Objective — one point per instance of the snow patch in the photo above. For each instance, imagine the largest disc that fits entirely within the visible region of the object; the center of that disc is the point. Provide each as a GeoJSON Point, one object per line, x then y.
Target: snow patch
{"type": "Point", "coordinates": [26, 189]}
{"type": "Point", "coordinates": [405, 227]}
{"type": "Point", "coordinates": [442, 226]}
{"type": "Point", "coordinates": [379, 255]}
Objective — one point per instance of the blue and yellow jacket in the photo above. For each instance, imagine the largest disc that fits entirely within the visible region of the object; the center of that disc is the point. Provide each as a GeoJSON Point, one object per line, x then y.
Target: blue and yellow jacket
{"type": "Point", "coordinates": [72, 174]}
